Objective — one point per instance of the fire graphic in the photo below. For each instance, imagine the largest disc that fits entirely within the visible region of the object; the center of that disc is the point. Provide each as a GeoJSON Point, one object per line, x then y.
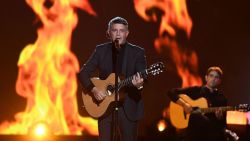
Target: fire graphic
{"type": "Point", "coordinates": [174, 24]}
{"type": "Point", "coordinates": [47, 73]}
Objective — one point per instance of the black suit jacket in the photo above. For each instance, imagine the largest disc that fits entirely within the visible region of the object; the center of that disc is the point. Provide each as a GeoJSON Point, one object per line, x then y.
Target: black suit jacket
{"type": "Point", "coordinates": [134, 60]}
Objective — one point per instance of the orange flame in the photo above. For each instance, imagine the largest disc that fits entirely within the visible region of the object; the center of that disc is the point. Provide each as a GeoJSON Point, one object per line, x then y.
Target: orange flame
{"type": "Point", "coordinates": [47, 73]}
{"type": "Point", "coordinates": [175, 14]}
{"type": "Point", "coordinates": [173, 18]}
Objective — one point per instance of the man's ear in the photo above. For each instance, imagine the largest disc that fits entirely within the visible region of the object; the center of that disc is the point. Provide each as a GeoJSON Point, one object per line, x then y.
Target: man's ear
{"type": "Point", "coordinates": [206, 78]}
{"type": "Point", "coordinates": [127, 33]}
{"type": "Point", "coordinates": [107, 34]}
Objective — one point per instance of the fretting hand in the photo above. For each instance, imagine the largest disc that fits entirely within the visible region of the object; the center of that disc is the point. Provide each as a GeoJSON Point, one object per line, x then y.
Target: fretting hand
{"type": "Point", "coordinates": [219, 114]}
{"type": "Point", "coordinates": [137, 81]}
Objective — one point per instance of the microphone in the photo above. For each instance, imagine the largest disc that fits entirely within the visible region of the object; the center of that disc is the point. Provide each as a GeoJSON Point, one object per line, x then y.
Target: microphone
{"type": "Point", "coordinates": [117, 45]}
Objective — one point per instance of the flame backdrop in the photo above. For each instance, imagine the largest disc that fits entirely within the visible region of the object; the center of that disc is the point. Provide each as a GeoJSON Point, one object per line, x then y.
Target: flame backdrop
{"type": "Point", "coordinates": [218, 34]}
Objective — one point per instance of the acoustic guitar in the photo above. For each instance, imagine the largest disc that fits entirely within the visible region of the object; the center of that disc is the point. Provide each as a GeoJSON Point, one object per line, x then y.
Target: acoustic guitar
{"type": "Point", "coordinates": [179, 118]}
{"type": "Point", "coordinates": [96, 108]}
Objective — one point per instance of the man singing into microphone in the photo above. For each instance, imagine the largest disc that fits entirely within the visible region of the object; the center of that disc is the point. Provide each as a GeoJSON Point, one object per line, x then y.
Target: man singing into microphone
{"type": "Point", "coordinates": [126, 60]}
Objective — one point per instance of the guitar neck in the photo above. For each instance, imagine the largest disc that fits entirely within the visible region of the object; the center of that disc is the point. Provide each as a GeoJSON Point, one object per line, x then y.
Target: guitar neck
{"type": "Point", "coordinates": [213, 109]}
{"type": "Point", "coordinates": [154, 69]}
{"type": "Point", "coordinates": [128, 81]}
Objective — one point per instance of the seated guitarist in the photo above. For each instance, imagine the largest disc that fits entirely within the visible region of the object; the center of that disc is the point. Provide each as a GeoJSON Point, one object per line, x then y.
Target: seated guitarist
{"type": "Point", "coordinates": [209, 126]}
{"type": "Point", "coordinates": [126, 59]}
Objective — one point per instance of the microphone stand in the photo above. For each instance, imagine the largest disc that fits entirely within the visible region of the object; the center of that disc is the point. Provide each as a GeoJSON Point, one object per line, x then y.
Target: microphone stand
{"type": "Point", "coordinates": [115, 113]}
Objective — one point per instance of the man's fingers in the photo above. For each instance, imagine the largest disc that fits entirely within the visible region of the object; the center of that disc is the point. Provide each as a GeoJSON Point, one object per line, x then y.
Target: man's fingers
{"type": "Point", "coordinates": [100, 96]}
{"type": "Point", "coordinates": [138, 75]}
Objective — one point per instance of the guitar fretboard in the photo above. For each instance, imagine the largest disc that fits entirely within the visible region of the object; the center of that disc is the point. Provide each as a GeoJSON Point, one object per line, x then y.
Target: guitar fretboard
{"type": "Point", "coordinates": [213, 109]}
{"type": "Point", "coordinates": [128, 81]}
{"type": "Point", "coordinates": [153, 69]}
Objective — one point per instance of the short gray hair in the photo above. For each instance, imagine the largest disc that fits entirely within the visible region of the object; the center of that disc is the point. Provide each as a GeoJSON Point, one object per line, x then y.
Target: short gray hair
{"type": "Point", "coordinates": [117, 20]}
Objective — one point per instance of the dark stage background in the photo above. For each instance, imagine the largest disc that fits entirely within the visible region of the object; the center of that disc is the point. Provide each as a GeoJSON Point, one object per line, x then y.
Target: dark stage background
{"type": "Point", "coordinates": [220, 36]}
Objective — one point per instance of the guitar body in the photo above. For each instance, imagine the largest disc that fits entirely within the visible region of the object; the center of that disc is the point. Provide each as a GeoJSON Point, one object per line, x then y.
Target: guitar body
{"type": "Point", "coordinates": [178, 117]}
{"type": "Point", "coordinates": [93, 107]}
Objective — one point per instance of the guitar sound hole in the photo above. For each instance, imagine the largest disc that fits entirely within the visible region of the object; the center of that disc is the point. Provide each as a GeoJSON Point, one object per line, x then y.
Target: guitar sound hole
{"type": "Point", "coordinates": [110, 89]}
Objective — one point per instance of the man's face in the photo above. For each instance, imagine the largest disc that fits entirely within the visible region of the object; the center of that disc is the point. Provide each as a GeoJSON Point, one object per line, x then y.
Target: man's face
{"type": "Point", "coordinates": [213, 79]}
{"type": "Point", "coordinates": [118, 32]}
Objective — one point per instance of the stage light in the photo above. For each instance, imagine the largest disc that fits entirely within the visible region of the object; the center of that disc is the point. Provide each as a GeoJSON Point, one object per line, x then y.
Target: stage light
{"type": "Point", "coordinates": [40, 129]}
{"type": "Point", "coordinates": [161, 125]}
{"type": "Point", "coordinates": [236, 117]}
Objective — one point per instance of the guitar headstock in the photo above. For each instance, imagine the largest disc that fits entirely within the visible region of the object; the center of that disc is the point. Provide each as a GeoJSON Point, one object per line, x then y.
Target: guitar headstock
{"type": "Point", "coordinates": [243, 107]}
{"type": "Point", "coordinates": [156, 68]}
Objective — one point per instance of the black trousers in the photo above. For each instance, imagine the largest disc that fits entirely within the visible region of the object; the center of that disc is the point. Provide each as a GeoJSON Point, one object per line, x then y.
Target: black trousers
{"type": "Point", "coordinates": [127, 129]}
